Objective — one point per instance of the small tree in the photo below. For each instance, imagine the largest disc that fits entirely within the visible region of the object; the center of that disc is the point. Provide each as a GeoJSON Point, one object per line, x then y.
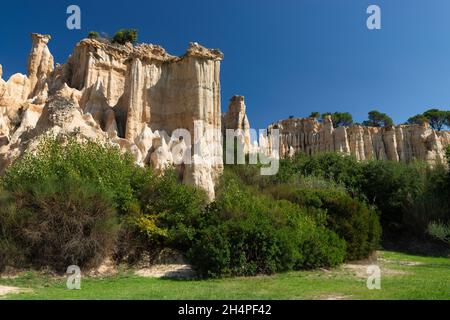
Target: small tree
{"type": "Point", "coordinates": [339, 119]}
{"type": "Point", "coordinates": [342, 119]}
{"type": "Point", "coordinates": [378, 119]}
{"type": "Point", "coordinates": [315, 115]}
{"type": "Point", "coordinates": [125, 35]}
{"type": "Point", "coordinates": [437, 118]}
{"type": "Point", "coordinates": [93, 35]}
{"type": "Point", "coordinates": [447, 121]}
{"type": "Point", "coordinates": [419, 119]}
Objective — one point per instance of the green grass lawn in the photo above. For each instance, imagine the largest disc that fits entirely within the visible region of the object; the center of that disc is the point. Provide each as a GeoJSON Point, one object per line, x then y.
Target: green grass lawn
{"type": "Point", "coordinates": [403, 277]}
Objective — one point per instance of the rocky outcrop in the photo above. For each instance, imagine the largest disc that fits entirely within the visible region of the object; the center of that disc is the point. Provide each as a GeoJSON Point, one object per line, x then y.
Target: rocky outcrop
{"type": "Point", "coordinates": [236, 119]}
{"type": "Point", "coordinates": [396, 143]}
{"type": "Point", "coordinates": [136, 97]}
{"type": "Point", "coordinates": [40, 63]}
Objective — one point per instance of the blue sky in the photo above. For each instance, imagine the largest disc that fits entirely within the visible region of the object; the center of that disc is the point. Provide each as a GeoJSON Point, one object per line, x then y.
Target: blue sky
{"type": "Point", "coordinates": [287, 57]}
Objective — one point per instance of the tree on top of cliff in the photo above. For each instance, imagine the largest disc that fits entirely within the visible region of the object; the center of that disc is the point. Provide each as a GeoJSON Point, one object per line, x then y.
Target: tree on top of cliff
{"type": "Point", "coordinates": [437, 118]}
{"type": "Point", "coordinates": [339, 119]}
{"type": "Point", "coordinates": [315, 115]}
{"type": "Point", "coordinates": [419, 119]}
{"type": "Point", "coordinates": [125, 35]}
{"type": "Point", "coordinates": [378, 119]}
{"type": "Point", "coordinates": [93, 35]}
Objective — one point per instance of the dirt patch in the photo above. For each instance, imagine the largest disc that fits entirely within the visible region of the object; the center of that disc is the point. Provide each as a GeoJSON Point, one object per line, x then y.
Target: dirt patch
{"type": "Point", "coordinates": [173, 271]}
{"type": "Point", "coordinates": [334, 297]}
{"type": "Point", "coordinates": [10, 290]}
{"type": "Point", "coordinates": [106, 269]}
{"type": "Point", "coordinates": [360, 270]}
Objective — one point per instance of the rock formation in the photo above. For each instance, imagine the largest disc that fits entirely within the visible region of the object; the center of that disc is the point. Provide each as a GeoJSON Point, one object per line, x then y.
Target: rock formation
{"type": "Point", "coordinates": [236, 119]}
{"type": "Point", "coordinates": [165, 111]}
{"type": "Point", "coordinates": [136, 97]}
{"type": "Point", "coordinates": [396, 143]}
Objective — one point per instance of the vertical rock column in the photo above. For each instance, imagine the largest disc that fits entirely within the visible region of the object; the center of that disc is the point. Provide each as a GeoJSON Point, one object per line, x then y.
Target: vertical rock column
{"type": "Point", "coordinates": [236, 118]}
{"type": "Point", "coordinates": [40, 63]}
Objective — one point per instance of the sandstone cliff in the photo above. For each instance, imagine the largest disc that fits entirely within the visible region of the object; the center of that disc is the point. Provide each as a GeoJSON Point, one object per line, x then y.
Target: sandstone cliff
{"type": "Point", "coordinates": [236, 119]}
{"type": "Point", "coordinates": [132, 96]}
{"type": "Point", "coordinates": [396, 143]}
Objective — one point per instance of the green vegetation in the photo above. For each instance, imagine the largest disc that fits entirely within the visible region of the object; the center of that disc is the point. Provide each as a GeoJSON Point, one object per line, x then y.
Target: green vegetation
{"type": "Point", "coordinates": [440, 231]}
{"type": "Point", "coordinates": [403, 277]}
{"type": "Point", "coordinates": [57, 224]}
{"type": "Point", "coordinates": [378, 119]}
{"type": "Point", "coordinates": [125, 35]}
{"type": "Point", "coordinates": [437, 119]}
{"type": "Point", "coordinates": [77, 203]}
{"type": "Point", "coordinates": [247, 230]}
{"type": "Point", "coordinates": [339, 118]}
{"type": "Point", "coordinates": [62, 205]}
{"type": "Point", "coordinates": [93, 35]}
{"type": "Point", "coordinates": [407, 196]}
{"type": "Point", "coordinates": [315, 115]}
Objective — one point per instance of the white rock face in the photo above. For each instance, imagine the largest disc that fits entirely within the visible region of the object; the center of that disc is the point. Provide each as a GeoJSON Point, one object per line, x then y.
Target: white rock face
{"type": "Point", "coordinates": [401, 143]}
{"type": "Point", "coordinates": [132, 96]}
{"type": "Point", "coordinates": [40, 63]}
{"type": "Point", "coordinates": [236, 119]}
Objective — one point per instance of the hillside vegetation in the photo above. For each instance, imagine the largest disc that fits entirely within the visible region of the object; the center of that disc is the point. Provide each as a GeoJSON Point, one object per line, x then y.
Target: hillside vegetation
{"type": "Point", "coordinates": [77, 204]}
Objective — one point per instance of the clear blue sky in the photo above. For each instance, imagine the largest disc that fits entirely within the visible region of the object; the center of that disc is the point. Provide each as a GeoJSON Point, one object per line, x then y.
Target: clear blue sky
{"type": "Point", "coordinates": [287, 57]}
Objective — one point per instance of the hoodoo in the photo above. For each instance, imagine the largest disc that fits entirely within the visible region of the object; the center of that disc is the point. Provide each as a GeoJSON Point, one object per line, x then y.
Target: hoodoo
{"type": "Point", "coordinates": [132, 96]}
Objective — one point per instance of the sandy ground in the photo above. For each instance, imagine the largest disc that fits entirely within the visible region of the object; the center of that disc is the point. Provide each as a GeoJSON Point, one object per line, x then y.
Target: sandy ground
{"type": "Point", "coordinates": [175, 271]}
{"type": "Point", "coordinates": [9, 290]}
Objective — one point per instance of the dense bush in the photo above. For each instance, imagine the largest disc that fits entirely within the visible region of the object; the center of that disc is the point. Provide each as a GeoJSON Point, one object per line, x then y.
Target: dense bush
{"type": "Point", "coordinates": [331, 166]}
{"type": "Point", "coordinates": [350, 218]}
{"type": "Point", "coordinates": [68, 203]}
{"type": "Point", "coordinates": [440, 231]}
{"type": "Point", "coordinates": [100, 164]}
{"type": "Point", "coordinates": [125, 35]}
{"type": "Point", "coordinates": [242, 233]}
{"type": "Point", "coordinates": [392, 187]}
{"type": "Point", "coordinates": [57, 223]}
{"type": "Point", "coordinates": [93, 35]}
{"type": "Point", "coordinates": [408, 195]}
{"type": "Point", "coordinates": [72, 188]}
{"type": "Point", "coordinates": [245, 233]}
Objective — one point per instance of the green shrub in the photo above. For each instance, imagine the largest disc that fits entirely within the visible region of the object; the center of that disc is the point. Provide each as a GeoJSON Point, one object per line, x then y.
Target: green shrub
{"type": "Point", "coordinates": [93, 35]}
{"type": "Point", "coordinates": [244, 233]}
{"type": "Point", "coordinates": [440, 231]}
{"type": "Point", "coordinates": [408, 196]}
{"type": "Point", "coordinates": [171, 211]}
{"type": "Point", "coordinates": [322, 248]}
{"type": "Point", "coordinates": [57, 224]}
{"type": "Point", "coordinates": [350, 218]}
{"type": "Point", "coordinates": [99, 164]}
{"type": "Point", "coordinates": [392, 187]}
{"type": "Point", "coordinates": [331, 166]}
{"type": "Point", "coordinates": [125, 35]}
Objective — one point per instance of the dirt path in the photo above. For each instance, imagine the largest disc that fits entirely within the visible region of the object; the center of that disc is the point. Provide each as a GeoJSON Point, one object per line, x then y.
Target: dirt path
{"type": "Point", "coordinates": [9, 290]}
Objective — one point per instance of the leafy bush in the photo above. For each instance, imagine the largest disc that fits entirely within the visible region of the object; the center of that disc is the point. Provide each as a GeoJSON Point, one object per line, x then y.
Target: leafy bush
{"type": "Point", "coordinates": [391, 187]}
{"type": "Point", "coordinates": [408, 195]}
{"type": "Point", "coordinates": [244, 233]}
{"type": "Point", "coordinates": [125, 35]}
{"type": "Point", "coordinates": [57, 223]}
{"type": "Point", "coordinates": [440, 231]}
{"type": "Point", "coordinates": [93, 35]}
{"type": "Point", "coordinates": [350, 218]}
{"type": "Point", "coordinates": [99, 164]}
